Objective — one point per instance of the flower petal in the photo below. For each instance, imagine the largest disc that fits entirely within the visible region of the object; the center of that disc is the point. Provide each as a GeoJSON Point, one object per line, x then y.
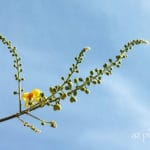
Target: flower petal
{"type": "Point", "coordinates": [25, 96]}
{"type": "Point", "coordinates": [36, 94]}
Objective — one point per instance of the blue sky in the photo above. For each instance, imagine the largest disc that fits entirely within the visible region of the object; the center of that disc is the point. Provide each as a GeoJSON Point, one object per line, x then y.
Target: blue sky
{"type": "Point", "coordinates": [48, 35]}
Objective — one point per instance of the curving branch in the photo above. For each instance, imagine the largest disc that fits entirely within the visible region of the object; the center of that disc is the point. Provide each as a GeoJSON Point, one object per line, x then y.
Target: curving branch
{"type": "Point", "coordinates": [68, 89]}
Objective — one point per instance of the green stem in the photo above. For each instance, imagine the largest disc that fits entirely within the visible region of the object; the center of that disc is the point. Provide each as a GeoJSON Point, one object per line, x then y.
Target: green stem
{"type": "Point", "coordinates": [33, 116]}
{"type": "Point", "coordinates": [23, 112]}
{"type": "Point", "coordinates": [19, 87]}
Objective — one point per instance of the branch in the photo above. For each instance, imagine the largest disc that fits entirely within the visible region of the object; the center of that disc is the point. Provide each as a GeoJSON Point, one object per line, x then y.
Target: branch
{"type": "Point", "coordinates": [68, 89]}
{"type": "Point", "coordinates": [19, 113]}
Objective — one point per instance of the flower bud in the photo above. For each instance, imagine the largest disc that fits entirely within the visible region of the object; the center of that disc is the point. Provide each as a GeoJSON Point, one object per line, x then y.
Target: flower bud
{"type": "Point", "coordinates": [52, 90]}
{"type": "Point", "coordinates": [110, 60]}
{"type": "Point", "coordinates": [94, 81]}
{"type": "Point", "coordinates": [80, 79]}
{"type": "Point", "coordinates": [73, 99]}
{"type": "Point", "coordinates": [62, 78]}
{"type": "Point", "coordinates": [43, 122]}
{"type": "Point", "coordinates": [75, 80]}
{"type": "Point", "coordinates": [57, 107]}
{"type": "Point", "coordinates": [53, 124]}
{"type": "Point", "coordinates": [105, 65]}
{"type": "Point", "coordinates": [63, 96]}
{"type": "Point", "coordinates": [91, 72]}
{"type": "Point", "coordinates": [87, 91]}
{"type": "Point", "coordinates": [15, 92]}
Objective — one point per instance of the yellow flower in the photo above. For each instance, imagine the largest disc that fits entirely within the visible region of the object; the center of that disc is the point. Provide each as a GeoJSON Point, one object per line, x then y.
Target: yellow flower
{"type": "Point", "coordinates": [32, 98]}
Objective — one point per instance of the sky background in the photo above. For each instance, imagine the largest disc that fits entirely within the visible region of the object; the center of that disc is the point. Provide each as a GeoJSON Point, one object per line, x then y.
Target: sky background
{"type": "Point", "coordinates": [48, 35]}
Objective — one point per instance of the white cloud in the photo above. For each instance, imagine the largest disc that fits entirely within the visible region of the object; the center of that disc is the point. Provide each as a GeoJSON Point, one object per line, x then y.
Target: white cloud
{"type": "Point", "coordinates": [127, 94]}
{"type": "Point", "coordinates": [95, 137]}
